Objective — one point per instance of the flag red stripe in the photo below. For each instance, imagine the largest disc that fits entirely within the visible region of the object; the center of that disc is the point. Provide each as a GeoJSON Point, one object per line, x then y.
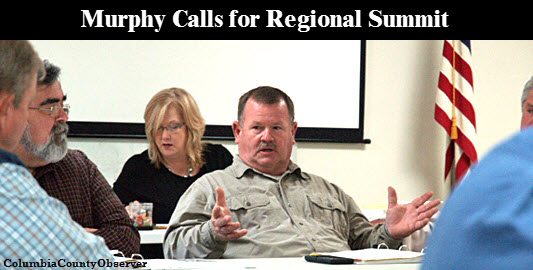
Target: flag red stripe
{"type": "Point", "coordinates": [461, 66]}
{"type": "Point", "coordinates": [463, 164]}
{"type": "Point", "coordinates": [442, 119]}
{"type": "Point", "coordinates": [449, 159]}
{"type": "Point", "coordinates": [466, 144]}
{"type": "Point", "coordinates": [461, 103]}
{"type": "Point", "coordinates": [462, 140]}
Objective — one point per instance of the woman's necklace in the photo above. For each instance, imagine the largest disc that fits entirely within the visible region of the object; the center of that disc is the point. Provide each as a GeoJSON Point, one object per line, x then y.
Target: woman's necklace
{"type": "Point", "coordinates": [189, 174]}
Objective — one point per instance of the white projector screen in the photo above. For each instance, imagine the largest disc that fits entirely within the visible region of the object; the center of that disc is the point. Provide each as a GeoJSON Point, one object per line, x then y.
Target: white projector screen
{"type": "Point", "coordinates": [109, 82]}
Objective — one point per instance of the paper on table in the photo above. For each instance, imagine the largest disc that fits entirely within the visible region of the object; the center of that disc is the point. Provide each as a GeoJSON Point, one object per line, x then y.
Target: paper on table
{"type": "Point", "coordinates": [165, 264]}
{"type": "Point", "coordinates": [192, 264]}
{"type": "Point", "coordinates": [374, 255]}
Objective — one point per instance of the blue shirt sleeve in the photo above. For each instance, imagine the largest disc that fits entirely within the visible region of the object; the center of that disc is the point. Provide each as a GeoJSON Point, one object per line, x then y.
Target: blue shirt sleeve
{"type": "Point", "coordinates": [37, 228]}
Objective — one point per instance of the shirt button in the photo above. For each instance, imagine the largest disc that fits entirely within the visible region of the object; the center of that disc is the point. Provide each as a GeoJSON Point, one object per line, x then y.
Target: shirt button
{"type": "Point", "coordinates": [290, 205]}
{"type": "Point", "coordinates": [248, 203]}
{"type": "Point", "coordinates": [301, 223]}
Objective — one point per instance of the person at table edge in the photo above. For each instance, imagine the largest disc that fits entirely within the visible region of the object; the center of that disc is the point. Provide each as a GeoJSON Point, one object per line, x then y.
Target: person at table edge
{"type": "Point", "coordinates": [69, 175]}
{"type": "Point", "coordinates": [273, 208]}
{"type": "Point", "coordinates": [175, 158]}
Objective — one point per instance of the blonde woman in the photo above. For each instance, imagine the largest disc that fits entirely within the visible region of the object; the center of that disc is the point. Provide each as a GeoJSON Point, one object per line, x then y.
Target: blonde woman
{"type": "Point", "coordinates": [175, 157]}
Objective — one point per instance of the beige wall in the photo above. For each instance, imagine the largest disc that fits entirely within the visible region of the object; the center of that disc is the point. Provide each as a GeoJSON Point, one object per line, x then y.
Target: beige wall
{"type": "Point", "coordinates": [407, 148]}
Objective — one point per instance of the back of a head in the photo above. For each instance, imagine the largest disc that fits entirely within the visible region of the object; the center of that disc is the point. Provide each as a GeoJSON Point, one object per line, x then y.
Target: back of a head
{"type": "Point", "coordinates": [18, 62]}
{"type": "Point", "coordinates": [486, 221]}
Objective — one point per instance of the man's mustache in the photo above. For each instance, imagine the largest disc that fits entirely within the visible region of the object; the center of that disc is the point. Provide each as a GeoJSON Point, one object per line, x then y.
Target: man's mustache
{"type": "Point", "coordinates": [59, 128]}
{"type": "Point", "coordinates": [269, 145]}
{"type": "Point", "coordinates": [59, 133]}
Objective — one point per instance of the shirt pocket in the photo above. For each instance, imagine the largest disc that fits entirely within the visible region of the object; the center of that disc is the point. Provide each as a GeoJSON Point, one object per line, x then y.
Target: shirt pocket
{"type": "Point", "coordinates": [328, 211]}
{"type": "Point", "coordinates": [247, 201]}
{"type": "Point", "coordinates": [253, 211]}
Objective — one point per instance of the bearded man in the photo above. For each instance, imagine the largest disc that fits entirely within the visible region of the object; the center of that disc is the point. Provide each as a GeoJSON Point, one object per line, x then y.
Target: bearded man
{"type": "Point", "coordinates": [69, 175]}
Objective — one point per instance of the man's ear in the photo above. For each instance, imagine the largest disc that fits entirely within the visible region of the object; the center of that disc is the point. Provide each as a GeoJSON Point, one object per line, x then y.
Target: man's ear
{"type": "Point", "coordinates": [294, 129]}
{"type": "Point", "coordinates": [236, 131]}
{"type": "Point", "coordinates": [6, 107]}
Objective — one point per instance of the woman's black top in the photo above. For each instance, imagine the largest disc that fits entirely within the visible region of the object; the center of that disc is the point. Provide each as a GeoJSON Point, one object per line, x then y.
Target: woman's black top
{"type": "Point", "coordinates": [140, 180]}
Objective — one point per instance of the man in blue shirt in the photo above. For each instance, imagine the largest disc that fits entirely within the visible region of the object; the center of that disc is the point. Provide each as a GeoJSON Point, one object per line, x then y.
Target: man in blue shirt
{"type": "Point", "coordinates": [527, 105]}
{"type": "Point", "coordinates": [487, 220]}
{"type": "Point", "coordinates": [37, 230]}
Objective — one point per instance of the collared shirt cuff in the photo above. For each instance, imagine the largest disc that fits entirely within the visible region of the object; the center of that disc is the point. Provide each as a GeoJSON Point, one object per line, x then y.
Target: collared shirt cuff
{"type": "Point", "coordinates": [210, 238]}
{"type": "Point", "coordinates": [389, 238]}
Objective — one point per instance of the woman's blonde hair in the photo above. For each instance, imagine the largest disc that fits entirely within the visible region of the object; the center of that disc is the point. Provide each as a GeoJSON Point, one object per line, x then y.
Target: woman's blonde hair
{"type": "Point", "coordinates": [181, 100]}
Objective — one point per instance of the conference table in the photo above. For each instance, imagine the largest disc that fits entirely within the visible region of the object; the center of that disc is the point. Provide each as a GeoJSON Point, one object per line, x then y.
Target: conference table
{"type": "Point", "coordinates": [268, 263]}
{"type": "Point", "coordinates": [155, 236]}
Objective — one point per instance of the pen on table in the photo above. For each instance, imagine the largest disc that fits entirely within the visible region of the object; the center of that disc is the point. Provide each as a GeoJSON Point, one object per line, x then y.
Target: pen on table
{"type": "Point", "coordinates": [329, 259]}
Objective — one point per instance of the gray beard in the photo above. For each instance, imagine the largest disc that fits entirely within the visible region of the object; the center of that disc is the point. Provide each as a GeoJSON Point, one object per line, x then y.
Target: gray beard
{"type": "Point", "coordinates": [54, 149]}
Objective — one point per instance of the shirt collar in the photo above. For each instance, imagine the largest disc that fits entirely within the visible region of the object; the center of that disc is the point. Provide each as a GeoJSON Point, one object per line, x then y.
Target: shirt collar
{"type": "Point", "coordinates": [50, 168]}
{"type": "Point", "coordinates": [8, 157]}
{"type": "Point", "coordinates": [239, 168]}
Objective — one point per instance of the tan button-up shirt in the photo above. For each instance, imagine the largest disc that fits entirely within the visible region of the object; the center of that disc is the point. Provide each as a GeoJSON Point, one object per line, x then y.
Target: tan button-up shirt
{"type": "Point", "coordinates": [290, 215]}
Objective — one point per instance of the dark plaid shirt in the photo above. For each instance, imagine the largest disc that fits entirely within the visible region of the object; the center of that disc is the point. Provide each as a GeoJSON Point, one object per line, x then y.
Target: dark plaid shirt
{"type": "Point", "coordinates": [77, 182]}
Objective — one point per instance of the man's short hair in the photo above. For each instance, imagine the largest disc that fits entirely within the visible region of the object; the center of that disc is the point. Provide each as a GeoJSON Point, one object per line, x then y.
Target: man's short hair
{"type": "Point", "coordinates": [52, 74]}
{"type": "Point", "coordinates": [527, 88]}
{"type": "Point", "coordinates": [265, 95]}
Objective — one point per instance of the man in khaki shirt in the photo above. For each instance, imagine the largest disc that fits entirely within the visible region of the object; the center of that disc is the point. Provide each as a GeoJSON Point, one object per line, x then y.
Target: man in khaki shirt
{"type": "Point", "coordinates": [273, 208]}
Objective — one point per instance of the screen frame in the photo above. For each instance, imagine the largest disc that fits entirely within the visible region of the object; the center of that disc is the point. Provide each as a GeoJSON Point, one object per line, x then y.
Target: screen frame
{"type": "Point", "coordinates": [92, 129]}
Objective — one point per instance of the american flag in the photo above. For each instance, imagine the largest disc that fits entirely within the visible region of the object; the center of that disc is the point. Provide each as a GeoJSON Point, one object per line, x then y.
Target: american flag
{"type": "Point", "coordinates": [454, 109]}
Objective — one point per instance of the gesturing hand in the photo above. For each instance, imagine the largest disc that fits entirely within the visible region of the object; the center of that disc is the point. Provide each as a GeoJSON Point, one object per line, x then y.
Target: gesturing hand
{"type": "Point", "coordinates": [221, 220]}
{"type": "Point", "coordinates": [404, 219]}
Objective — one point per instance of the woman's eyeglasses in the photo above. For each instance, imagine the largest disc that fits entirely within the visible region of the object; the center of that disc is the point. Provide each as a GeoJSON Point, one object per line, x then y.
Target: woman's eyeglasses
{"type": "Point", "coordinates": [171, 128]}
